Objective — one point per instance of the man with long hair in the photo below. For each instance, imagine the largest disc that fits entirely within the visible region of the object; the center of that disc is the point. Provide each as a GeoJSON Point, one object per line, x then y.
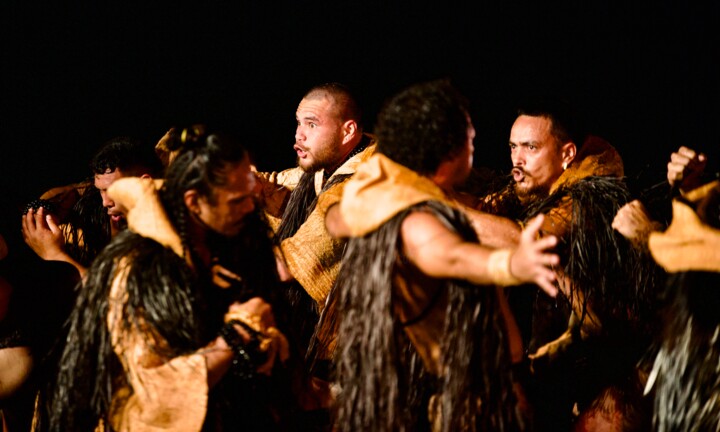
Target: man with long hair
{"type": "Point", "coordinates": [173, 327]}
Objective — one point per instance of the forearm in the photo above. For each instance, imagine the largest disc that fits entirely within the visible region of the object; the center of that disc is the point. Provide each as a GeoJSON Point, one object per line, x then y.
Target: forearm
{"type": "Point", "coordinates": [218, 357]}
{"type": "Point", "coordinates": [64, 257]}
{"type": "Point", "coordinates": [495, 231]}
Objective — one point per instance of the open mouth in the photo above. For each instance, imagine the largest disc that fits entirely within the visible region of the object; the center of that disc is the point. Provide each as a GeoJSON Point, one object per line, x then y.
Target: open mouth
{"type": "Point", "coordinates": [518, 175]}
{"type": "Point", "coordinates": [300, 151]}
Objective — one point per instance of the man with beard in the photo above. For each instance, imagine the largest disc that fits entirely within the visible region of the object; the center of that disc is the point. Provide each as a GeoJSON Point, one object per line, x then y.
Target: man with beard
{"type": "Point", "coordinates": [156, 339]}
{"type": "Point", "coordinates": [583, 345]}
{"type": "Point", "coordinates": [330, 143]}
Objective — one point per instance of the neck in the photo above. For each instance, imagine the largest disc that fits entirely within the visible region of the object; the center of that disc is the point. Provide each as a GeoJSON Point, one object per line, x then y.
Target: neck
{"type": "Point", "coordinates": [443, 181]}
{"type": "Point", "coordinates": [351, 151]}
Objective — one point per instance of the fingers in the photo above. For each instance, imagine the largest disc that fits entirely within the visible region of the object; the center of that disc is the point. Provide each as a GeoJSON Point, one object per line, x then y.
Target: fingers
{"type": "Point", "coordinates": [52, 224]}
{"type": "Point", "coordinates": [683, 163]}
{"type": "Point", "coordinates": [223, 277]}
{"type": "Point", "coordinates": [25, 222]}
{"type": "Point", "coordinates": [256, 306]}
{"type": "Point", "coordinates": [545, 243]}
{"type": "Point", "coordinates": [686, 152]}
{"type": "Point", "coordinates": [532, 228]}
{"type": "Point", "coordinates": [627, 214]}
{"type": "Point", "coordinates": [547, 285]}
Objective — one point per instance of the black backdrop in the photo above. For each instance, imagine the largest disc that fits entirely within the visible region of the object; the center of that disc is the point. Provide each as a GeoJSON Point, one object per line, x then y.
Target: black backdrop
{"type": "Point", "coordinates": [75, 76]}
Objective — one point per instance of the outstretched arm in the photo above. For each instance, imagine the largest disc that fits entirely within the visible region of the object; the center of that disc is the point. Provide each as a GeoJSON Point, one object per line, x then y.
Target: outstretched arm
{"type": "Point", "coordinates": [439, 252]}
{"type": "Point", "coordinates": [493, 230]}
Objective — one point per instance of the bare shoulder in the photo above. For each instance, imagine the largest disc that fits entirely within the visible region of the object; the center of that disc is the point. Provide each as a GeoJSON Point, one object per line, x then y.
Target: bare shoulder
{"type": "Point", "coordinates": [421, 227]}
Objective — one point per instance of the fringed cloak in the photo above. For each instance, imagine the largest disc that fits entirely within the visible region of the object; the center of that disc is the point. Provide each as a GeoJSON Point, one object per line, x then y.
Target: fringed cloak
{"type": "Point", "coordinates": [132, 359]}
{"type": "Point", "coordinates": [609, 286]}
{"type": "Point", "coordinates": [401, 340]}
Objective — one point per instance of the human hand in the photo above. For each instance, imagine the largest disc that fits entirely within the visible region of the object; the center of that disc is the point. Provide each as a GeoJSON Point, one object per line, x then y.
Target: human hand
{"type": "Point", "coordinates": [685, 168]}
{"type": "Point", "coordinates": [42, 233]}
{"type": "Point", "coordinates": [633, 222]}
{"type": "Point", "coordinates": [531, 262]}
{"type": "Point", "coordinates": [223, 277]}
{"type": "Point", "coordinates": [257, 314]}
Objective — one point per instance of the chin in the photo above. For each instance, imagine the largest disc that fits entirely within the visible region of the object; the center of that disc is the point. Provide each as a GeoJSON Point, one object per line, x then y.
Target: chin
{"type": "Point", "coordinates": [529, 195]}
{"type": "Point", "coordinates": [305, 164]}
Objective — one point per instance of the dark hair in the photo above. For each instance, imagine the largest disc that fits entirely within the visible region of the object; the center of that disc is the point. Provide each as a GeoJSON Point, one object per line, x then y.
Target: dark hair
{"type": "Point", "coordinates": [567, 122]}
{"type": "Point", "coordinates": [127, 154]}
{"type": "Point", "coordinates": [345, 101]}
{"type": "Point", "coordinates": [423, 125]}
{"type": "Point", "coordinates": [202, 165]}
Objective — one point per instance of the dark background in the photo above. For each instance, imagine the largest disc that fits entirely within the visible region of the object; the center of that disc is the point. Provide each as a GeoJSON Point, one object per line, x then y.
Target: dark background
{"type": "Point", "coordinates": [75, 76]}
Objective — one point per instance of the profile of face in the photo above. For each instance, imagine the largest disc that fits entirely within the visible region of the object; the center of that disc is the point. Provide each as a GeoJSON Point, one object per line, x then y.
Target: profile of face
{"type": "Point", "coordinates": [318, 136]}
{"type": "Point", "coordinates": [226, 211]}
{"type": "Point", "coordinates": [102, 183]}
{"type": "Point", "coordinates": [537, 156]}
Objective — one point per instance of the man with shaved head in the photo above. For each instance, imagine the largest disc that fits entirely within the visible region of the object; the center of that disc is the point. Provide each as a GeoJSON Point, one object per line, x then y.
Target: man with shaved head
{"type": "Point", "coordinates": [330, 143]}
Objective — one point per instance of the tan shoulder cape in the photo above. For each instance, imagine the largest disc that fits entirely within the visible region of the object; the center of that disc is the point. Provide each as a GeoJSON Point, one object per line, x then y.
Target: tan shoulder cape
{"type": "Point", "coordinates": [379, 190]}
{"type": "Point", "coordinates": [311, 254]}
{"type": "Point", "coordinates": [689, 244]}
{"type": "Point", "coordinates": [164, 394]}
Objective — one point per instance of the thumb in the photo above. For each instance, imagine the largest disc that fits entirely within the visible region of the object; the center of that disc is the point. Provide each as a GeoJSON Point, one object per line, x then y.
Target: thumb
{"type": "Point", "coordinates": [532, 228]}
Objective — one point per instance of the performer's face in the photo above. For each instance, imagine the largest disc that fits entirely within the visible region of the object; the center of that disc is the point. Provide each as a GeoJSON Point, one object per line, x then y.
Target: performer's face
{"type": "Point", "coordinates": [318, 137]}
{"type": "Point", "coordinates": [232, 202]}
{"type": "Point", "coordinates": [102, 183]}
{"type": "Point", "coordinates": [537, 157]}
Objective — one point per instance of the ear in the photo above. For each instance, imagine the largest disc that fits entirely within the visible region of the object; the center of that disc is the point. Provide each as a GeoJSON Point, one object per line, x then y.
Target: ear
{"type": "Point", "coordinates": [568, 150]}
{"type": "Point", "coordinates": [191, 198]}
{"type": "Point", "coordinates": [349, 130]}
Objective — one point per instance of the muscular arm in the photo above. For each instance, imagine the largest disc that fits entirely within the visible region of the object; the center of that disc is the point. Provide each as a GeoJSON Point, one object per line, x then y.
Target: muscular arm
{"type": "Point", "coordinates": [492, 230]}
{"type": "Point", "coordinates": [440, 252]}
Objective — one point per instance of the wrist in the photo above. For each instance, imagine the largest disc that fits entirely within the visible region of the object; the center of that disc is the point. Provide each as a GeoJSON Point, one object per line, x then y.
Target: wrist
{"type": "Point", "coordinates": [498, 267]}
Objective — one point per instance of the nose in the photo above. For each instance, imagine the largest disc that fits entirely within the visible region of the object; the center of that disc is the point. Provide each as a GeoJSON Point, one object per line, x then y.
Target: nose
{"type": "Point", "coordinates": [517, 157]}
{"type": "Point", "coordinates": [106, 201]}
{"type": "Point", "coordinates": [299, 135]}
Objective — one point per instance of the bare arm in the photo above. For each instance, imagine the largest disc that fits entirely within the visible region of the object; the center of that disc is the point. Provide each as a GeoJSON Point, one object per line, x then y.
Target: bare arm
{"type": "Point", "coordinates": [493, 230]}
{"type": "Point", "coordinates": [440, 252]}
